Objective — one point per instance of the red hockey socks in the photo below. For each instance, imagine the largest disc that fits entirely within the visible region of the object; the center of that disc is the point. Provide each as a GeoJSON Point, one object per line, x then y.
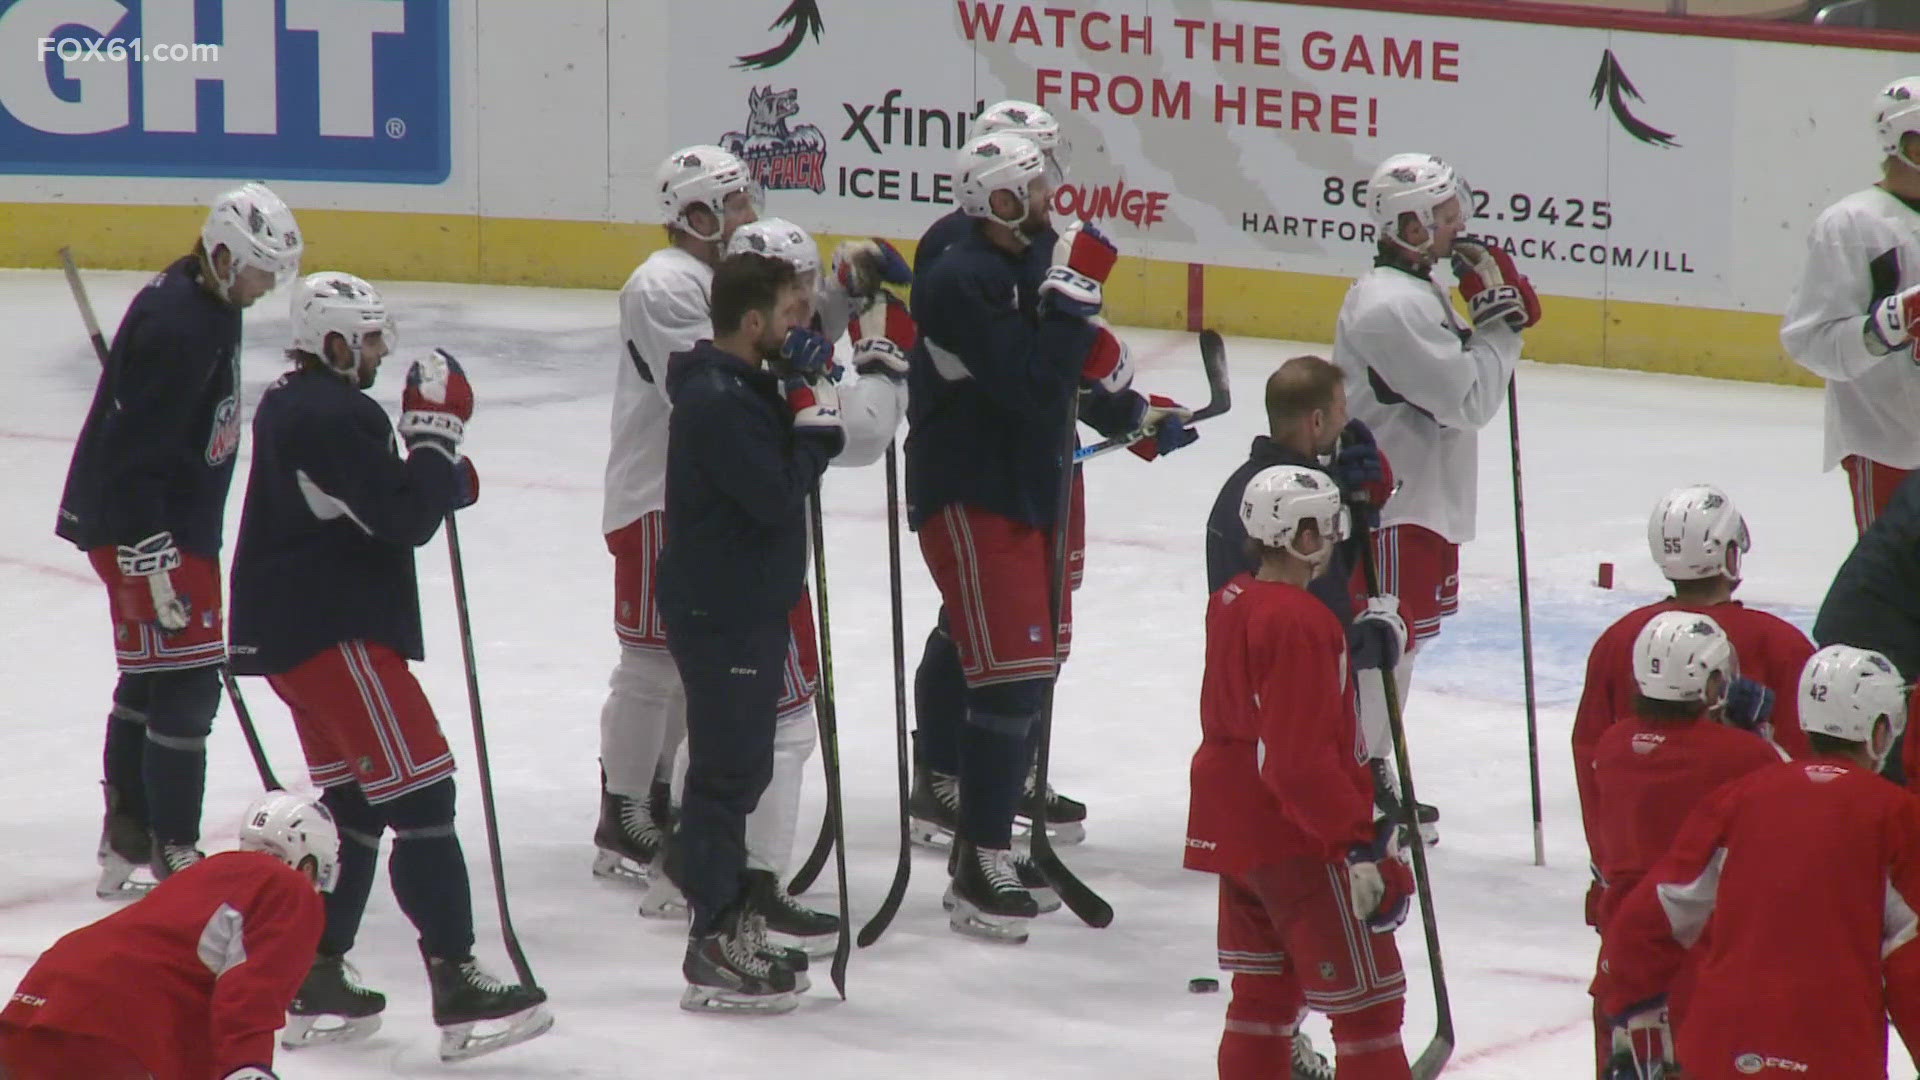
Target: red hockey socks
{"type": "Point", "coordinates": [1367, 1046]}
{"type": "Point", "coordinates": [1262, 1018]}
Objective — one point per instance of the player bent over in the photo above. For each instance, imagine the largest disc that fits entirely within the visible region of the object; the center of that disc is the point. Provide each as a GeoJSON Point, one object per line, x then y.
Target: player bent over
{"type": "Point", "coordinates": [747, 446]}
{"type": "Point", "coordinates": [191, 982]}
{"type": "Point", "coordinates": [1796, 885]}
{"type": "Point", "coordinates": [326, 606]}
{"type": "Point", "coordinates": [1652, 767]}
{"type": "Point", "coordinates": [146, 499]}
{"type": "Point", "coordinates": [1855, 314]}
{"type": "Point", "coordinates": [1282, 805]}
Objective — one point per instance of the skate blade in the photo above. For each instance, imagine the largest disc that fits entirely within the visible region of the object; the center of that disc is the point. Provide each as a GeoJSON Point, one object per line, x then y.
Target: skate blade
{"type": "Point", "coordinates": [1044, 898]}
{"type": "Point", "coordinates": [815, 945]}
{"type": "Point", "coordinates": [966, 919]}
{"type": "Point", "coordinates": [463, 1042]}
{"type": "Point", "coordinates": [613, 866]}
{"type": "Point", "coordinates": [928, 835]}
{"type": "Point", "coordinates": [117, 882]}
{"type": "Point", "coordinates": [322, 1029]}
{"type": "Point", "coordinates": [1062, 833]}
{"type": "Point", "coordinates": [716, 1001]}
{"type": "Point", "coordinates": [663, 901]}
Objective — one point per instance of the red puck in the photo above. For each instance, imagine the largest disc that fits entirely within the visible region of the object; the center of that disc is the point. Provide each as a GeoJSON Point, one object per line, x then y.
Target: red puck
{"type": "Point", "coordinates": [1605, 578]}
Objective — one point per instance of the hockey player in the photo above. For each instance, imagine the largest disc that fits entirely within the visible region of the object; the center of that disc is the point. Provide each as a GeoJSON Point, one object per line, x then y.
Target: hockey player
{"type": "Point", "coordinates": [146, 499]}
{"type": "Point", "coordinates": [1663, 758]}
{"type": "Point", "coordinates": [326, 606]}
{"type": "Point", "coordinates": [1008, 337]}
{"type": "Point", "coordinates": [1022, 118]}
{"type": "Point", "coordinates": [1425, 384]}
{"type": "Point", "coordinates": [192, 982]}
{"type": "Point", "coordinates": [747, 446]}
{"type": "Point", "coordinates": [1855, 313]}
{"type": "Point", "coordinates": [1699, 540]}
{"type": "Point", "coordinates": [1796, 887]}
{"type": "Point", "coordinates": [1282, 806]}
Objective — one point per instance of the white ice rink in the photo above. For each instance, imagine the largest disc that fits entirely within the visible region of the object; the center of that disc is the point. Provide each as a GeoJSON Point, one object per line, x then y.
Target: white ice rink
{"type": "Point", "coordinates": [1600, 447]}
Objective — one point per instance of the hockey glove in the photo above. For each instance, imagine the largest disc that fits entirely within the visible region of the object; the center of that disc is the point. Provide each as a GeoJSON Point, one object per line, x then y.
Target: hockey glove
{"type": "Point", "coordinates": [862, 266]}
{"type": "Point", "coordinates": [1379, 882]}
{"type": "Point", "coordinates": [1357, 465]}
{"type": "Point", "coordinates": [153, 560]}
{"type": "Point", "coordinates": [1379, 635]}
{"type": "Point", "coordinates": [436, 405]}
{"type": "Point", "coordinates": [1167, 420]}
{"type": "Point", "coordinates": [816, 410]}
{"type": "Point", "coordinates": [882, 336]}
{"type": "Point", "coordinates": [1895, 321]}
{"type": "Point", "coordinates": [466, 484]}
{"type": "Point", "coordinates": [1749, 703]}
{"type": "Point", "coordinates": [1643, 1044]}
{"type": "Point", "coordinates": [1082, 259]}
{"type": "Point", "coordinates": [805, 353]}
{"type": "Point", "coordinates": [1495, 289]}
{"type": "Point", "coordinates": [1108, 367]}
{"type": "Point", "coordinates": [251, 1072]}
{"type": "Point", "coordinates": [1596, 896]}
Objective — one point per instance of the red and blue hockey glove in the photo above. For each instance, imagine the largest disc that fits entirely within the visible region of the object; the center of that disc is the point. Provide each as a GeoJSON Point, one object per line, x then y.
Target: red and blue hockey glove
{"type": "Point", "coordinates": [152, 561]}
{"type": "Point", "coordinates": [1749, 704]}
{"type": "Point", "coordinates": [1082, 259]}
{"type": "Point", "coordinates": [882, 337]}
{"type": "Point", "coordinates": [862, 266]}
{"type": "Point", "coordinates": [816, 409]}
{"type": "Point", "coordinates": [1379, 635]}
{"type": "Point", "coordinates": [1379, 881]}
{"type": "Point", "coordinates": [1167, 419]}
{"type": "Point", "coordinates": [1495, 289]}
{"type": "Point", "coordinates": [436, 405]}
{"type": "Point", "coordinates": [1643, 1044]}
{"type": "Point", "coordinates": [1895, 320]}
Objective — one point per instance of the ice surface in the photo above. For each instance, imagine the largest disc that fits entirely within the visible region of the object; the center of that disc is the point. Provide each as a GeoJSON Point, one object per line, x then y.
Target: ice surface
{"type": "Point", "coordinates": [1600, 447]}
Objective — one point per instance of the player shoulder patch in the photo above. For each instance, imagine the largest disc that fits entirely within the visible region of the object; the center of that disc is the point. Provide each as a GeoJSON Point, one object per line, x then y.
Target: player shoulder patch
{"type": "Point", "coordinates": [1646, 742]}
{"type": "Point", "coordinates": [1822, 773]}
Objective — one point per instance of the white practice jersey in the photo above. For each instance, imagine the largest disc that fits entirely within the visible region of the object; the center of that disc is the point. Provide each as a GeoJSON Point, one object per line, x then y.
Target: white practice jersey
{"type": "Point", "coordinates": [1861, 249]}
{"type": "Point", "coordinates": [664, 309]}
{"type": "Point", "coordinates": [1426, 385]}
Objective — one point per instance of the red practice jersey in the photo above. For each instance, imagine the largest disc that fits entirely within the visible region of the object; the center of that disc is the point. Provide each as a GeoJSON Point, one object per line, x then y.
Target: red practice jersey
{"type": "Point", "coordinates": [1771, 651]}
{"type": "Point", "coordinates": [193, 979]}
{"type": "Point", "coordinates": [1803, 878]}
{"type": "Point", "coordinates": [1280, 771]}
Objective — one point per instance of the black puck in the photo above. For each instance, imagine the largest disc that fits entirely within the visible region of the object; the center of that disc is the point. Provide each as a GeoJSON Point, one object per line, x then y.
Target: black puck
{"type": "Point", "coordinates": [1203, 986]}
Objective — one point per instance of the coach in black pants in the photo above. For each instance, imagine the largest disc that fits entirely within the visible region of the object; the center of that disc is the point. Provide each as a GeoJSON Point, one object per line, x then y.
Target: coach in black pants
{"type": "Point", "coordinates": [754, 422]}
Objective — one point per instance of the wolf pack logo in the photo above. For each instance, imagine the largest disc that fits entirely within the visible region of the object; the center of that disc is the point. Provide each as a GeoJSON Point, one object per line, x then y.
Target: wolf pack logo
{"type": "Point", "coordinates": [225, 439]}
{"type": "Point", "coordinates": [781, 155]}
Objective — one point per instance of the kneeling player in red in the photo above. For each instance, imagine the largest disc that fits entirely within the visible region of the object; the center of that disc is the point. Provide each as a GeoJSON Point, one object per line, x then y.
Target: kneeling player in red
{"type": "Point", "coordinates": [325, 605]}
{"type": "Point", "coordinates": [1282, 810]}
{"type": "Point", "coordinates": [192, 981]}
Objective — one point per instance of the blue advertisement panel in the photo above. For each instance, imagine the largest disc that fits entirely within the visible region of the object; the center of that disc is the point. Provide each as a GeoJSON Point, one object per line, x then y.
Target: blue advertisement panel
{"type": "Point", "coordinates": [342, 90]}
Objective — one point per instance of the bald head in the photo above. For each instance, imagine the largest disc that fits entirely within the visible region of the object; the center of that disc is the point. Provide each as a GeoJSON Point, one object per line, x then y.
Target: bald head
{"type": "Point", "coordinates": [1306, 405]}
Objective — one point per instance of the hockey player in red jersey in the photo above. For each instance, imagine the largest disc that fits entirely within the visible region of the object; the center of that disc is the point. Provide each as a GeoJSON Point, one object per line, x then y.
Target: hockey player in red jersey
{"type": "Point", "coordinates": [1659, 761]}
{"type": "Point", "coordinates": [1699, 540]}
{"type": "Point", "coordinates": [1796, 886]}
{"type": "Point", "coordinates": [1282, 805]}
{"type": "Point", "coordinates": [190, 983]}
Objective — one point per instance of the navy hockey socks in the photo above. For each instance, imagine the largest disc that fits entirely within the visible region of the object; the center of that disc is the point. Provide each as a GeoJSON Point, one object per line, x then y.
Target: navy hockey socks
{"type": "Point", "coordinates": [122, 760]}
{"type": "Point", "coordinates": [429, 875]}
{"type": "Point", "coordinates": [360, 827]}
{"type": "Point", "coordinates": [174, 770]}
{"type": "Point", "coordinates": [993, 774]}
{"type": "Point", "coordinates": [939, 704]}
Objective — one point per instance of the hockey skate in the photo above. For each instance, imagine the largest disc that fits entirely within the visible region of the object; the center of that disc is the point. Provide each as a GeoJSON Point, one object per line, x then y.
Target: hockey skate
{"type": "Point", "coordinates": [331, 1007]}
{"type": "Point", "coordinates": [933, 809]}
{"type": "Point", "coordinates": [169, 858]}
{"type": "Point", "coordinates": [629, 834]}
{"type": "Point", "coordinates": [1308, 1063]}
{"type": "Point", "coordinates": [465, 997]}
{"type": "Point", "coordinates": [125, 848]}
{"type": "Point", "coordinates": [984, 898]}
{"type": "Point", "coordinates": [1386, 797]}
{"type": "Point", "coordinates": [1045, 899]}
{"type": "Point", "coordinates": [788, 923]}
{"type": "Point", "coordinates": [663, 899]}
{"type": "Point", "coordinates": [1066, 818]}
{"type": "Point", "coordinates": [727, 971]}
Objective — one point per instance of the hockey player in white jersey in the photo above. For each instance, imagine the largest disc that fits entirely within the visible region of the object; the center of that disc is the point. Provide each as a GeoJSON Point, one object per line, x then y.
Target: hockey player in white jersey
{"type": "Point", "coordinates": [1855, 314]}
{"type": "Point", "coordinates": [1425, 382]}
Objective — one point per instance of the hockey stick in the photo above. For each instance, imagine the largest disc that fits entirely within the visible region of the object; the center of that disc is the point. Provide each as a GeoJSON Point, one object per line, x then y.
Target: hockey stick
{"type": "Point", "coordinates": [829, 721]}
{"type": "Point", "coordinates": [1434, 1057]}
{"type": "Point", "coordinates": [882, 918]}
{"type": "Point", "coordinates": [1213, 359]}
{"type": "Point", "coordinates": [1080, 899]}
{"type": "Point", "coordinates": [816, 859]}
{"type": "Point", "coordinates": [247, 732]}
{"type": "Point", "coordinates": [512, 939]}
{"type": "Point", "coordinates": [1526, 625]}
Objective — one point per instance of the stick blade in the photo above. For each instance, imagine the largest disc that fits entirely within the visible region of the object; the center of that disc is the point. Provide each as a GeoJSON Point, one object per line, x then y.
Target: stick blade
{"type": "Point", "coordinates": [1433, 1058]}
{"type": "Point", "coordinates": [1213, 359]}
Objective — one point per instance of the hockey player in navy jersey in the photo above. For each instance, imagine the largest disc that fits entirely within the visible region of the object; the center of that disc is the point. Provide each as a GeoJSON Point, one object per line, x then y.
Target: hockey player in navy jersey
{"type": "Point", "coordinates": [326, 606]}
{"type": "Point", "coordinates": [1010, 335]}
{"type": "Point", "coordinates": [146, 499]}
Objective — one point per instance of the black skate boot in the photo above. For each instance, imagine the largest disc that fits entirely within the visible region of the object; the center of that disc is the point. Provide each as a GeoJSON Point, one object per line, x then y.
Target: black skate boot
{"type": "Point", "coordinates": [125, 847]}
{"type": "Point", "coordinates": [1386, 797]}
{"type": "Point", "coordinates": [1308, 1063]}
{"type": "Point", "coordinates": [727, 971]}
{"type": "Point", "coordinates": [933, 809]}
{"type": "Point", "coordinates": [984, 899]}
{"type": "Point", "coordinates": [331, 1007]}
{"type": "Point", "coordinates": [629, 834]}
{"type": "Point", "coordinates": [466, 996]}
{"type": "Point", "coordinates": [1066, 818]}
{"type": "Point", "coordinates": [814, 933]}
{"type": "Point", "coordinates": [170, 858]}
{"type": "Point", "coordinates": [1045, 899]}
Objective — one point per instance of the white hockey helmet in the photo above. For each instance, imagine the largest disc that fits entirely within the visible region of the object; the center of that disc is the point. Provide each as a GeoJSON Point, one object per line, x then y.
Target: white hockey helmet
{"type": "Point", "coordinates": [1695, 532]}
{"type": "Point", "coordinates": [257, 230]}
{"type": "Point", "coordinates": [293, 828]}
{"type": "Point", "coordinates": [1897, 115]}
{"type": "Point", "coordinates": [1416, 184]}
{"type": "Point", "coordinates": [331, 302]}
{"type": "Point", "coordinates": [1844, 690]}
{"type": "Point", "coordinates": [1035, 123]}
{"type": "Point", "coordinates": [781, 239]}
{"type": "Point", "coordinates": [1280, 497]}
{"type": "Point", "coordinates": [1001, 161]}
{"type": "Point", "coordinates": [1676, 655]}
{"type": "Point", "coordinates": [703, 175]}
